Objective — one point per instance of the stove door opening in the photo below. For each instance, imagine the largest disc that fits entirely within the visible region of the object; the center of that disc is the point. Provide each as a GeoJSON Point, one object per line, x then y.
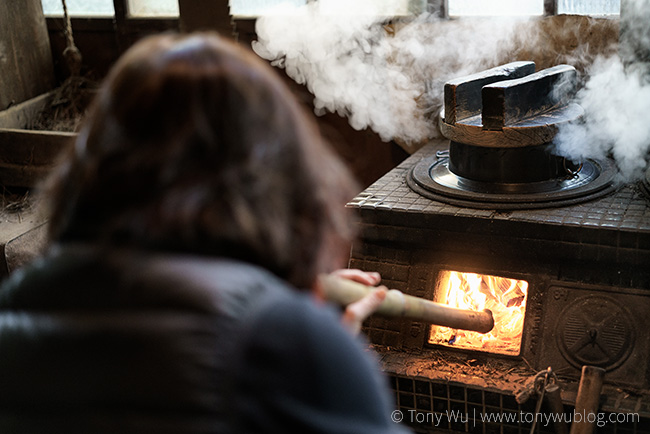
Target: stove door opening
{"type": "Point", "coordinates": [505, 297]}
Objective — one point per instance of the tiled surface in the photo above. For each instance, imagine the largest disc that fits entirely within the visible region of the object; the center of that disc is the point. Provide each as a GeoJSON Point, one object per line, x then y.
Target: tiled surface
{"type": "Point", "coordinates": [613, 231]}
{"type": "Point", "coordinates": [626, 209]}
{"type": "Point", "coordinates": [603, 244]}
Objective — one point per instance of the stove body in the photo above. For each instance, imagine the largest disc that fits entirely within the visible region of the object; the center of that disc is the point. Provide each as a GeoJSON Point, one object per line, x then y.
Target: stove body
{"type": "Point", "coordinates": [492, 217]}
{"type": "Point", "coordinates": [588, 270]}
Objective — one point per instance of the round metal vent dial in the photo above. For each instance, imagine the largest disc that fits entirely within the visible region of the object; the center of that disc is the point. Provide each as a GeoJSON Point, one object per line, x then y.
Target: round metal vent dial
{"type": "Point", "coordinates": [595, 331]}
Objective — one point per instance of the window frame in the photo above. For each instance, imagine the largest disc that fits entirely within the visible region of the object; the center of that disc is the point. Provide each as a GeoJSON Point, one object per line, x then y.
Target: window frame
{"type": "Point", "coordinates": [550, 8]}
{"type": "Point", "coordinates": [129, 28]}
{"type": "Point", "coordinates": [126, 24]}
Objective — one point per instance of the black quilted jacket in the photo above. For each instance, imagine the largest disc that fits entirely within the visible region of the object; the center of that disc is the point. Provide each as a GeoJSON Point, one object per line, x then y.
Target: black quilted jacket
{"type": "Point", "coordinates": [125, 342]}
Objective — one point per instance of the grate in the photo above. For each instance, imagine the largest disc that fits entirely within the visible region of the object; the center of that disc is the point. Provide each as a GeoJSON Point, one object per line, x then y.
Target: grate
{"type": "Point", "coordinates": [435, 407]}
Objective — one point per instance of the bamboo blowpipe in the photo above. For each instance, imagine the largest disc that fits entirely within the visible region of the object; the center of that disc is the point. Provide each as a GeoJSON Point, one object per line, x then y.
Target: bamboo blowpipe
{"type": "Point", "coordinates": [344, 291]}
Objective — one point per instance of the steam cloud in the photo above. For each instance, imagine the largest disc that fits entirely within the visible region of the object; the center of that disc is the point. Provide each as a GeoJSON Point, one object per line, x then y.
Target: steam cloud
{"type": "Point", "coordinates": [616, 99]}
{"type": "Point", "coordinates": [387, 78]}
{"type": "Point", "coordinates": [616, 122]}
{"type": "Point", "coordinates": [390, 78]}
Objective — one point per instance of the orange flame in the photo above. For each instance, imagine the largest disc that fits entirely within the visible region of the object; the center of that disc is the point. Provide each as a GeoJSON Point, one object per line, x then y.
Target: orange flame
{"type": "Point", "coordinates": [505, 297]}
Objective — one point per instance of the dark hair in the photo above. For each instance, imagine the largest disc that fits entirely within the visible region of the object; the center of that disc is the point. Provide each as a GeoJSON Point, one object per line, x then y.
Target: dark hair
{"type": "Point", "coordinates": [195, 145]}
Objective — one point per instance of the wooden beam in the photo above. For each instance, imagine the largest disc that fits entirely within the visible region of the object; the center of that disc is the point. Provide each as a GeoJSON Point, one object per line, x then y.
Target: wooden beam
{"type": "Point", "coordinates": [206, 15]}
{"type": "Point", "coordinates": [588, 399]}
{"type": "Point", "coordinates": [463, 95]}
{"type": "Point", "coordinates": [120, 27]}
{"type": "Point", "coordinates": [550, 8]}
{"type": "Point", "coordinates": [438, 8]}
{"type": "Point", "coordinates": [508, 102]}
{"type": "Point", "coordinates": [26, 68]}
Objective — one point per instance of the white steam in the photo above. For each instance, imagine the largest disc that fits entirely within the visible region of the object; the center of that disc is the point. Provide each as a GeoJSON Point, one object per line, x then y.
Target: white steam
{"type": "Point", "coordinates": [390, 78]}
{"type": "Point", "coordinates": [617, 118]}
{"type": "Point", "coordinates": [616, 99]}
{"type": "Point", "coordinates": [387, 78]}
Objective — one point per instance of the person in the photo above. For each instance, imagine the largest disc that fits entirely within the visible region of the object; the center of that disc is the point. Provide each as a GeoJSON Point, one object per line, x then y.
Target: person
{"type": "Point", "coordinates": [189, 224]}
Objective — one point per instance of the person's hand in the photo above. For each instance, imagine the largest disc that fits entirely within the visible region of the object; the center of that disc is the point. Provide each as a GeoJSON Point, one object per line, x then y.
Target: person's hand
{"type": "Point", "coordinates": [356, 313]}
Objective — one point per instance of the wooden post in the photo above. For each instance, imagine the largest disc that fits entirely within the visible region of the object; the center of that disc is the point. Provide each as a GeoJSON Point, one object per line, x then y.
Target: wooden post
{"type": "Point", "coordinates": [120, 25]}
{"type": "Point", "coordinates": [206, 15]}
{"type": "Point", "coordinates": [439, 8]}
{"type": "Point", "coordinates": [26, 68]}
{"type": "Point", "coordinates": [550, 7]}
{"type": "Point", "coordinates": [588, 400]}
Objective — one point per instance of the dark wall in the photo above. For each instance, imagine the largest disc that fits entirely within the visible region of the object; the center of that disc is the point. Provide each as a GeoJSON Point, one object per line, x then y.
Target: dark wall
{"type": "Point", "coordinates": [101, 41]}
{"type": "Point", "coordinates": [565, 39]}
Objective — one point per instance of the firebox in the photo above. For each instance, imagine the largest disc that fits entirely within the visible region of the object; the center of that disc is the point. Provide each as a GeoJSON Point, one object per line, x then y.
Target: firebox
{"type": "Point", "coordinates": [504, 297]}
{"type": "Point", "coordinates": [565, 273]}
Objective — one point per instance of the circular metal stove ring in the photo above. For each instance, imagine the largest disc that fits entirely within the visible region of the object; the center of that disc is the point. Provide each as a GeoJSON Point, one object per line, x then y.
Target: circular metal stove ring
{"type": "Point", "coordinates": [432, 178]}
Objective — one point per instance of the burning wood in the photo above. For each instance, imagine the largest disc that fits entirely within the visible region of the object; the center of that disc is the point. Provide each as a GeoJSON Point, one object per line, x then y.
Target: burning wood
{"type": "Point", "coordinates": [505, 298]}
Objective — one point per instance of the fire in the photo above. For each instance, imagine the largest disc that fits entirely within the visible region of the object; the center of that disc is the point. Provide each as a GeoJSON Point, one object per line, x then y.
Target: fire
{"type": "Point", "coordinates": [505, 297]}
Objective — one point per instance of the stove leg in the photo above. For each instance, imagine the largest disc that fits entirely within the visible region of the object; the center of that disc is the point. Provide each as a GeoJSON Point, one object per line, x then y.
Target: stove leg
{"type": "Point", "coordinates": [588, 400]}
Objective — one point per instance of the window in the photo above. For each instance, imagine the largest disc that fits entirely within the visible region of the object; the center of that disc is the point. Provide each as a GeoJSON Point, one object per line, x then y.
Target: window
{"type": "Point", "coordinates": [590, 7]}
{"type": "Point", "coordinates": [254, 8]}
{"type": "Point", "coordinates": [102, 8]}
{"type": "Point", "coordinates": [495, 7]}
{"type": "Point", "coordinates": [532, 7]}
{"type": "Point", "coordinates": [96, 8]}
{"type": "Point", "coordinates": [153, 8]}
{"type": "Point", "coordinates": [456, 8]}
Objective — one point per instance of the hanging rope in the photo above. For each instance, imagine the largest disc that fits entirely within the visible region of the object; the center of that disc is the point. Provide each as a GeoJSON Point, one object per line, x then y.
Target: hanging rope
{"type": "Point", "coordinates": [71, 53]}
{"type": "Point", "coordinates": [69, 101]}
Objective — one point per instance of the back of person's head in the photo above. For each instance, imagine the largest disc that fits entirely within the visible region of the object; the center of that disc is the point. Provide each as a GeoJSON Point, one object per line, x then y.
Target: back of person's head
{"type": "Point", "coordinates": [195, 145]}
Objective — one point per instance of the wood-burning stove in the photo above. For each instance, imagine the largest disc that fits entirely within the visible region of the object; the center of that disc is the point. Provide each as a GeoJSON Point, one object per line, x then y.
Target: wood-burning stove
{"type": "Point", "coordinates": [582, 258]}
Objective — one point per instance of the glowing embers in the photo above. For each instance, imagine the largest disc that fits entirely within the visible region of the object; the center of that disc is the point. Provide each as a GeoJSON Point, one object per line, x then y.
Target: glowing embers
{"type": "Point", "coordinates": [505, 297]}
